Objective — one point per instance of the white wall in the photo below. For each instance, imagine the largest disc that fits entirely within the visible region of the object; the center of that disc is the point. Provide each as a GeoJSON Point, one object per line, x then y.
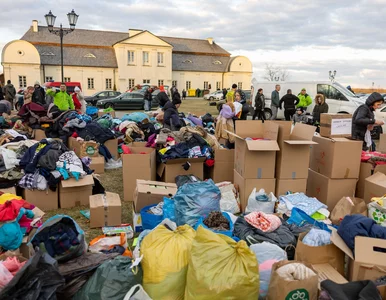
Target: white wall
{"type": "Point", "coordinates": [197, 79]}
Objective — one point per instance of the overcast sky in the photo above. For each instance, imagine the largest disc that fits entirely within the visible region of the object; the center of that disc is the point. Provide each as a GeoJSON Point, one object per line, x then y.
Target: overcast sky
{"type": "Point", "coordinates": [306, 37]}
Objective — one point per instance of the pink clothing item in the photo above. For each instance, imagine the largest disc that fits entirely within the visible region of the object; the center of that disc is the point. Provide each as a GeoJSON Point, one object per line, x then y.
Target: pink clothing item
{"type": "Point", "coordinates": [267, 265]}
{"type": "Point", "coordinates": [13, 264]}
{"type": "Point", "coordinates": [262, 221]}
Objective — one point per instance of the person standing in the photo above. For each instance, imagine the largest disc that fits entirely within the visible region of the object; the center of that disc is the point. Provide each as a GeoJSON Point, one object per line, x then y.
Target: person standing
{"type": "Point", "coordinates": [231, 93]}
{"type": "Point", "coordinates": [275, 102]}
{"type": "Point", "coordinates": [9, 92]}
{"type": "Point", "coordinates": [224, 94]}
{"type": "Point", "coordinates": [39, 95]}
{"type": "Point", "coordinates": [304, 100]}
{"type": "Point", "coordinates": [1, 92]}
{"type": "Point", "coordinates": [161, 97]}
{"type": "Point", "coordinates": [290, 101]}
{"type": "Point", "coordinates": [259, 106]}
{"type": "Point", "coordinates": [363, 120]}
{"type": "Point", "coordinates": [321, 107]}
{"type": "Point", "coordinates": [79, 96]}
{"type": "Point", "coordinates": [198, 91]}
{"type": "Point", "coordinates": [241, 98]}
{"type": "Point", "coordinates": [183, 94]}
{"type": "Point", "coordinates": [148, 97]}
{"type": "Point", "coordinates": [62, 99]}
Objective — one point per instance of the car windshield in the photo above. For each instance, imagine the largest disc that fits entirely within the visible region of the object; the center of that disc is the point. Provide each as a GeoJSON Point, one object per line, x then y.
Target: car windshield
{"type": "Point", "coordinates": [96, 94]}
{"type": "Point", "coordinates": [345, 91]}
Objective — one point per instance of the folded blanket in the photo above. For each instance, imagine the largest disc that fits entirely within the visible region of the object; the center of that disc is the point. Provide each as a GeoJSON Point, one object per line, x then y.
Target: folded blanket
{"type": "Point", "coordinates": [262, 221]}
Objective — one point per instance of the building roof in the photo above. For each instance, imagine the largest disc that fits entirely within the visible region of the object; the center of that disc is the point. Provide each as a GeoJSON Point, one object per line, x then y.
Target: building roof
{"type": "Point", "coordinates": [199, 63]}
{"type": "Point", "coordinates": [78, 56]}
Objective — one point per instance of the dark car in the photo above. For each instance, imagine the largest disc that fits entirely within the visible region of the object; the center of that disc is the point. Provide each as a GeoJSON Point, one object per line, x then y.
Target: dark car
{"type": "Point", "coordinates": [130, 100]}
{"type": "Point", "coordinates": [101, 95]}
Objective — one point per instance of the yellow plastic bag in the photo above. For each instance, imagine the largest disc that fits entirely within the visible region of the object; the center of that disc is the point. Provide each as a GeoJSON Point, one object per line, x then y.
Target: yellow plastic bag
{"type": "Point", "coordinates": [220, 268]}
{"type": "Point", "coordinates": [165, 261]}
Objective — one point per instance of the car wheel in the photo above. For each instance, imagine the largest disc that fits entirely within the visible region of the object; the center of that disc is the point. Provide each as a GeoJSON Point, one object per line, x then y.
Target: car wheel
{"type": "Point", "coordinates": [211, 98]}
{"type": "Point", "coordinates": [267, 113]}
{"type": "Point", "coordinates": [108, 105]}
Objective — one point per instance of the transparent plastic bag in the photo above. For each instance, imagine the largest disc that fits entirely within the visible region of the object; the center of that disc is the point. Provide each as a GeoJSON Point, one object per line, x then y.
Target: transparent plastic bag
{"type": "Point", "coordinates": [113, 164]}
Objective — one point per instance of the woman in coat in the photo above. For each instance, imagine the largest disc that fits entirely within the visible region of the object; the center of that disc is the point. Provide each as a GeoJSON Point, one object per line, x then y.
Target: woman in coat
{"type": "Point", "coordinates": [363, 119]}
{"type": "Point", "coordinates": [259, 106]}
{"type": "Point", "coordinates": [321, 107]}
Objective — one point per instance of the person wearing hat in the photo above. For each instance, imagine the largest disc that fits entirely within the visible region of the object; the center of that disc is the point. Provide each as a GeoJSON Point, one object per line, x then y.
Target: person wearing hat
{"type": "Point", "coordinates": [39, 95]}
{"type": "Point", "coordinates": [299, 116]}
{"type": "Point", "coordinates": [304, 100]}
{"type": "Point", "coordinates": [171, 118]}
{"type": "Point", "coordinates": [161, 97]}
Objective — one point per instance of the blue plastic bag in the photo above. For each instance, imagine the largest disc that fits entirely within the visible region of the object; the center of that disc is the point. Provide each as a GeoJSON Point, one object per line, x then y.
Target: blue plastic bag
{"type": "Point", "coordinates": [91, 110]}
{"type": "Point", "coordinates": [150, 221]}
{"type": "Point", "coordinates": [299, 218]}
{"type": "Point", "coordinates": [225, 232]}
{"type": "Point", "coordinates": [195, 200]}
{"type": "Point", "coordinates": [169, 207]}
{"type": "Point", "coordinates": [137, 117]}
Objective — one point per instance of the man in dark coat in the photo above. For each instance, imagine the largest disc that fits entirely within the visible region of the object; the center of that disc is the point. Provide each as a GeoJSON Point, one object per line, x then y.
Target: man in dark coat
{"type": "Point", "coordinates": [171, 118]}
{"type": "Point", "coordinates": [363, 118]}
{"type": "Point", "coordinates": [39, 95]}
{"type": "Point", "coordinates": [162, 98]}
{"type": "Point", "coordinates": [147, 97]}
{"type": "Point", "coordinates": [290, 101]}
{"type": "Point", "coordinates": [9, 92]}
{"type": "Point", "coordinates": [259, 106]}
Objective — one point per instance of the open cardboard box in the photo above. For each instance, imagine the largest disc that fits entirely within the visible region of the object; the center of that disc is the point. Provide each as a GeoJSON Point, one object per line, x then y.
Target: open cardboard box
{"type": "Point", "coordinates": [75, 193]}
{"type": "Point", "coordinates": [46, 200]}
{"type": "Point", "coordinates": [375, 186]}
{"type": "Point", "coordinates": [169, 170]}
{"type": "Point", "coordinates": [382, 143]}
{"type": "Point", "coordinates": [369, 262]}
{"type": "Point", "coordinates": [292, 161]}
{"type": "Point", "coordinates": [366, 171]}
{"type": "Point", "coordinates": [223, 166]}
{"type": "Point", "coordinates": [98, 164]}
{"type": "Point", "coordinates": [11, 190]}
{"type": "Point", "coordinates": [256, 159]}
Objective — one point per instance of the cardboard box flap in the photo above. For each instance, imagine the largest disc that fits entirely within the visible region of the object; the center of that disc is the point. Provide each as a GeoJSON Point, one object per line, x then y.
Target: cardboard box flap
{"type": "Point", "coordinates": [112, 199]}
{"type": "Point", "coordinates": [253, 129]}
{"type": "Point", "coordinates": [234, 134]}
{"type": "Point", "coordinates": [370, 251]}
{"type": "Point", "coordinates": [378, 178]}
{"type": "Point", "coordinates": [326, 271]}
{"type": "Point", "coordinates": [183, 160]}
{"type": "Point", "coordinates": [300, 142]}
{"type": "Point", "coordinates": [339, 242]}
{"type": "Point", "coordinates": [160, 169]}
{"type": "Point", "coordinates": [270, 131]}
{"type": "Point", "coordinates": [262, 145]}
{"type": "Point", "coordinates": [158, 183]}
{"type": "Point", "coordinates": [87, 180]}
{"type": "Point", "coordinates": [303, 132]}
{"type": "Point", "coordinates": [158, 189]}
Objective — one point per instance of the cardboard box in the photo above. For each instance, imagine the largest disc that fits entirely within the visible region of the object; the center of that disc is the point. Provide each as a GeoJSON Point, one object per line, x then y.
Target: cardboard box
{"type": "Point", "coordinates": [75, 193]}
{"type": "Point", "coordinates": [256, 159]}
{"type": "Point", "coordinates": [326, 271]}
{"type": "Point", "coordinates": [366, 171]}
{"type": "Point", "coordinates": [45, 200]}
{"type": "Point", "coordinates": [137, 166]}
{"type": "Point", "coordinates": [39, 134]}
{"type": "Point", "coordinates": [328, 254]}
{"type": "Point", "coordinates": [137, 144]}
{"type": "Point", "coordinates": [223, 165]}
{"type": "Point", "coordinates": [152, 192]}
{"type": "Point", "coordinates": [246, 186]}
{"type": "Point", "coordinates": [102, 113]}
{"type": "Point", "coordinates": [169, 170]}
{"type": "Point", "coordinates": [293, 185]}
{"type": "Point", "coordinates": [375, 186]}
{"type": "Point", "coordinates": [112, 145]}
{"type": "Point", "coordinates": [336, 158]}
{"type": "Point", "coordinates": [382, 143]}
{"type": "Point", "coordinates": [335, 125]}
{"type": "Point", "coordinates": [369, 262]}
{"type": "Point", "coordinates": [98, 164]}
{"type": "Point", "coordinates": [292, 161]}
{"type": "Point", "coordinates": [105, 210]}
{"type": "Point", "coordinates": [11, 190]}
{"type": "Point", "coordinates": [75, 145]}
{"type": "Point", "coordinates": [329, 191]}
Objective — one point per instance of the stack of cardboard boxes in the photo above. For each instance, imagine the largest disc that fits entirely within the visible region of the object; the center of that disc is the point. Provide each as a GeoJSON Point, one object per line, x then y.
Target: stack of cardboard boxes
{"type": "Point", "coordinates": [255, 160]}
{"type": "Point", "coordinates": [292, 160]}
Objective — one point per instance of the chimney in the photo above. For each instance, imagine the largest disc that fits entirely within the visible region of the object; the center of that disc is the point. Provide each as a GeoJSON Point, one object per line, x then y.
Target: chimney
{"type": "Point", "coordinates": [133, 32]}
{"type": "Point", "coordinates": [35, 27]}
{"type": "Point", "coordinates": [210, 40]}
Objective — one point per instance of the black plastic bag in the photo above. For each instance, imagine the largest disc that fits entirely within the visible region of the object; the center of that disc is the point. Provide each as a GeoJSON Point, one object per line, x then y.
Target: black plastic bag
{"type": "Point", "coordinates": [112, 280]}
{"type": "Point", "coordinates": [182, 179]}
{"type": "Point", "coordinates": [38, 279]}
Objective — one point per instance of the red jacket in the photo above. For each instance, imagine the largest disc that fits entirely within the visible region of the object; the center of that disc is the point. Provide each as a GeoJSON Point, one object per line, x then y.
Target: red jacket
{"type": "Point", "coordinates": [76, 101]}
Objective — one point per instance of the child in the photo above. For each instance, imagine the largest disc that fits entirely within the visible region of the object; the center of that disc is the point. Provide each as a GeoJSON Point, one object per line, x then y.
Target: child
{"type": "Point", "coordinates": [299, 116]}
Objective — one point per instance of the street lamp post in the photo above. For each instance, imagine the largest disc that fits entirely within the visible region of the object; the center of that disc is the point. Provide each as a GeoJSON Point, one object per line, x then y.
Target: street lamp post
{"type": "Point", "coordinates": [61, 32]}
{"type": "Point", "coordinates": [332, 75]}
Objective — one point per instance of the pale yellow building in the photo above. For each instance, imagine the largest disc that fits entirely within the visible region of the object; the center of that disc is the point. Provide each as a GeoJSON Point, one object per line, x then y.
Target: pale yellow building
{"type": "Point", "coordinates": [102, 60]}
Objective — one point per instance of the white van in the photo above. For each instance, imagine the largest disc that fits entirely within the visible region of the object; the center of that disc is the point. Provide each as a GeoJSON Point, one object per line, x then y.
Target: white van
{"type": "Point", "coordinates": [338, 98]}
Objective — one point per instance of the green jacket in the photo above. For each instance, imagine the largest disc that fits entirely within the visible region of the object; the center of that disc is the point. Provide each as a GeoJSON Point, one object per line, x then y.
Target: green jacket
{"type": "Point", "coordinates": [275, 98]}
{"type": "Point", "coordinates": [304, 100]}
{"type": "Point", "coordinates": [62, 100]}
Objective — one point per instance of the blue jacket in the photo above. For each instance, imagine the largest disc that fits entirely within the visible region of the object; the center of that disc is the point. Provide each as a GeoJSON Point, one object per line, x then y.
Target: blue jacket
{"type": "Point", "coordinates": [359, 225]}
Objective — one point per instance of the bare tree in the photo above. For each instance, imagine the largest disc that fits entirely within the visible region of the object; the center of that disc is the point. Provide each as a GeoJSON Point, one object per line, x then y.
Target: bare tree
{"type": "Point", "coordinates": [275, 73]}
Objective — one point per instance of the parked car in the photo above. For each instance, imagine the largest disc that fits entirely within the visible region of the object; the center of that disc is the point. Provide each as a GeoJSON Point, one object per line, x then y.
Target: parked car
{"type": "Point", "coordinates": [141, 88]}
{"type": "Point", "coordinates": [217, 95]}
{"type": "Point", "coordinates": [380, 114]}
{"type": "Point", "coordinates": [129, 100]}
{"type": "Point", "coordinates": [101, 95]}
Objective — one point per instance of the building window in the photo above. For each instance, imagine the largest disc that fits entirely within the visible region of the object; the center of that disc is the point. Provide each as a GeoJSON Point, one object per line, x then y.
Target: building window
{"type": "Point", "coordinates": [206, 85]}
{"type": "Point", "coordinates": [90, 83]}
{"type": "Point", "coordinates": [188, 85]}
{"type": "Point", "coordinates": [146, 81]}
{"type": "Point", "coordinates": [145, 58]}
{"type": "Point", "coordinates": [240, 85]}
{"type": "Point", "coordinates": [23, 81]}
{"type": "Point", "coordinates": [49, 78]}
{"type": "Point", "coordinates": [130, 57]}
{"type": "Point", "coordinates": [131, 83]}
{"type": "Point", "coordinates": [109, 84]}
{"type": "Point", "coordinates": [174, 83]}
{"type": "Point", "coordinates": [218, 85]}
{"type": "Point", "coordinates": [160, 82]}
{"type": "Point", "coordinates": [160, 57]}
{"type": "Point", "coordinates": [67, 79]}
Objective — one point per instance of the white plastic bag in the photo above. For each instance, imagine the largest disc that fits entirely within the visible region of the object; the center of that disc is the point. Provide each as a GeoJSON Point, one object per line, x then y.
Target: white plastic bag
{"type": "Point", "coordinates": [137, 293]}
{"type": "Point", "coordinates": [267, 207]}
{"type": "Point", "coordinates": [228, 202]}
{"type": "Point", "coordinates": [113, 164]}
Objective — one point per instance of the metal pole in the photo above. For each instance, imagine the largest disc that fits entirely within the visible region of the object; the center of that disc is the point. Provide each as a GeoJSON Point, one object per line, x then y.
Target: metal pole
{"type": "Point", "coordinates": [61, 50]}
